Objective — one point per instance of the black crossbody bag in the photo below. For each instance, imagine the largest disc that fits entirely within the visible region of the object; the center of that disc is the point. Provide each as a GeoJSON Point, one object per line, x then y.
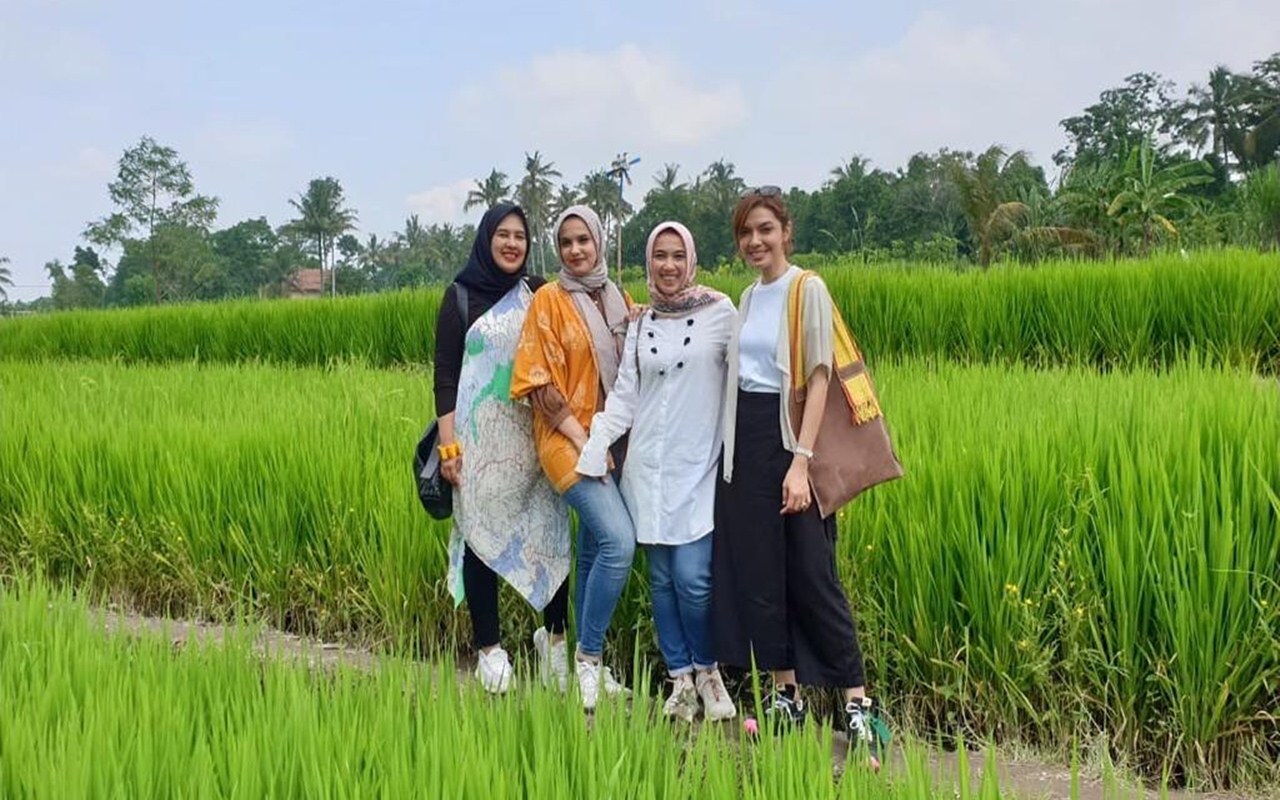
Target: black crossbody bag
{"type": "Point", "coordinates": [436, 493]}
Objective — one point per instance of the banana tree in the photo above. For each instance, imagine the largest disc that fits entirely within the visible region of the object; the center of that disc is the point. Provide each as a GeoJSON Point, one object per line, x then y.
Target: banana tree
{"type": "Point", "coordinates": [1152, 194]}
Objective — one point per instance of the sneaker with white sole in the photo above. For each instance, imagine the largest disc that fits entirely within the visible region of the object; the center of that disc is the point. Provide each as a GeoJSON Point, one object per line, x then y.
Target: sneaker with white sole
{"type": "Point", "coordinates": [553, 660]}
{"type": "Point", "coordinates": [683, 701]}
{"type": "Point", "coordinates": [594, 678]}
{"type": "Point", "coordinates": [493, 670]}
{"type": "Point", "coordinates": [867, 730]}
{"type": "Point", "coordinates": [716, 704]}
{"type": "Point", "coordinates": [785, 708]}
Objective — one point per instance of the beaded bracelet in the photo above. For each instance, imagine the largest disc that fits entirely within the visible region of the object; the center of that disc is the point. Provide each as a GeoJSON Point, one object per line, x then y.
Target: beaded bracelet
{"type": "Point", "coordinates": [450, 451]}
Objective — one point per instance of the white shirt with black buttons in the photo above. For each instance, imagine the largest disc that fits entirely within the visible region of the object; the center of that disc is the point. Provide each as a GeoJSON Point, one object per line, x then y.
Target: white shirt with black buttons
{"type": "Point", "coordinates": [670, 395]}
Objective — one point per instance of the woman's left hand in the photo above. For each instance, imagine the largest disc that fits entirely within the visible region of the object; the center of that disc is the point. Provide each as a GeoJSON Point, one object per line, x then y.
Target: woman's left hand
{"type": "Point", "coordinates": [796, 495]}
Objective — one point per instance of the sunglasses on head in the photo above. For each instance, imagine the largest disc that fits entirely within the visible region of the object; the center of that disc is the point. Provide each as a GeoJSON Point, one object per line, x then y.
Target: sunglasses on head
{"type": "Point", "coordinates": [762, 191]}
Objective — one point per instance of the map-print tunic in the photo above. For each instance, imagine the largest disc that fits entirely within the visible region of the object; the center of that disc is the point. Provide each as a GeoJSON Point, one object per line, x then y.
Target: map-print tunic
{"type": "Point", "coordinates": [505, 510]}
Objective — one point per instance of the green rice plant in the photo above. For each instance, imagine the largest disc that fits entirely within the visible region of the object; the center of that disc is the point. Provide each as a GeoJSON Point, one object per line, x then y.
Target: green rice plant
{"type": "Point", "coordinates": [189, 487]}
{"type": "Point", "coordinates": [1071, 553]}
{"type": "Point", "coordinates": [87, 714]}
{"type": "Point", "coordinates": [1224, 306]}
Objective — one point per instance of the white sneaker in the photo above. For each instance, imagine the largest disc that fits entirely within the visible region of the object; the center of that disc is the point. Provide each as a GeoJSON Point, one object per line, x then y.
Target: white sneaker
{"type": "Point", "coordinates": [716, 704]}
{"type": "Point", "coordinates": [553, 660]}
{"type": "Point", "coordinates": [493, 670]}
{"type": "Point", "coordinates": [683, 702]}
{"type": "Point", "coordinates": [594, 679]}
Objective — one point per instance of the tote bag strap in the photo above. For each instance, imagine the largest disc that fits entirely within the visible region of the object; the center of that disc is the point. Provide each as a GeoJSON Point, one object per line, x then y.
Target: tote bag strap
{"type": "Point", "coordinates": [795, 328]}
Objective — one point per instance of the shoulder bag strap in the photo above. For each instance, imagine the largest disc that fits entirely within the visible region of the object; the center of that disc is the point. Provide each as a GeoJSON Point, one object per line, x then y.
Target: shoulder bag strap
{"type": "Point", "coordinates": [464, 310]}
{"type": "Point", "coordinates": [795, 328]}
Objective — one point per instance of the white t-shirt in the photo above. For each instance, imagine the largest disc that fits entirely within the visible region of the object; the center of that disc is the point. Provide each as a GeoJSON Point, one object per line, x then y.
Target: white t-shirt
{"type": "Point", "coordinates": [758, 369]}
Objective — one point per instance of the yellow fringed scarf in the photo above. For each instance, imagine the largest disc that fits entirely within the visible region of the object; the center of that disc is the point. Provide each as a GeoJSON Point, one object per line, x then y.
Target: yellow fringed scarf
{"type": "Point", "coordinates": [849, 368]}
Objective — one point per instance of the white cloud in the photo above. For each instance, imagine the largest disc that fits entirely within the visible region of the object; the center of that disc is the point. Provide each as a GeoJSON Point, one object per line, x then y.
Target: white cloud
{"type": "Point", "coordinates": [995, 75]}
{"type": "Point", "coordinates": [626, 97]}
{"type": "Point", "coordinates": [440, 204]}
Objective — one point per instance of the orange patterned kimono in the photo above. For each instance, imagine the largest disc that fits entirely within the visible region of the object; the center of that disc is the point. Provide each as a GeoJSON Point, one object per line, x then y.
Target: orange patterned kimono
{"type": "Point", "coordinates": [556, 349]}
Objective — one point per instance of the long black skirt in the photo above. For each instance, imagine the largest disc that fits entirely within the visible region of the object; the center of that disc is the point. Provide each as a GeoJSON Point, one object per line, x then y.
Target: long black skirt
{"type": "Point", "coordinates": [775, 592]}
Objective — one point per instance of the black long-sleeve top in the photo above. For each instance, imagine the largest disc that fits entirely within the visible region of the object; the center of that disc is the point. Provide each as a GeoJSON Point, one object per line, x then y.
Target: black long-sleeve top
{"type": "Point", "coordinates": [451, 338]}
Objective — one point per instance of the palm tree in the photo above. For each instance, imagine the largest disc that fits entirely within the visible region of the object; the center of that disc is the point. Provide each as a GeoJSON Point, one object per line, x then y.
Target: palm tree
{"type": "Point", "coordinates": [414, 235]}
{"type": "Point", "coordinates": [600, 192]}
{"type": "Point", "coordinates": [1217, 114]}
{"type": "Point", "coordinates": [1043, 231]}
{"type": "Point", "coordinates": [324, 218]}
{"type": "Point", "coordinates": [668, 180]}
{"type": "Point", "coordinates": [719, 185]}
{"type": "Point", "coordinates": [1151, 193]}
{"type": "Point", "coordinates": [6, 279]}
{"type": "Point", "coordinates": [984, 188]}
{"type": "Point", "coordinates": [488, 192]}
{"type": "Point", "coordinates": [372, 254]}
{"type": "Point", "coordinates": [534, 194]}
{"type": "Point", "coordinates": [1254, 137]}
{"type": "Point", "coordinates": [1003, 203]}
{"type": "Point", "coordinates": [854, 169]}
{"type": "Point", "coordinates": [447, 249]}
{"type": "Point", "coordinates": [566, 196]}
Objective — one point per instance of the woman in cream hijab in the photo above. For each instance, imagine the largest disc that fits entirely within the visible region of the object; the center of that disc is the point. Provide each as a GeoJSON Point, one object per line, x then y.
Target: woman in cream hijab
{"type": "Point", "coordinates": [566, 364]}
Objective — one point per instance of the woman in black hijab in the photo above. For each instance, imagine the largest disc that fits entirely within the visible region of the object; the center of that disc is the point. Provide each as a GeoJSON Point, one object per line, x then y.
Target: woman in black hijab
{"type": "Point", "coordinates": [508, 521]}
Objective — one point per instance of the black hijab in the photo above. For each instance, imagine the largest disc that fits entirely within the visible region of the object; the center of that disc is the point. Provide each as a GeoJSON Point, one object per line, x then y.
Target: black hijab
{"type": "Point", "coordinates": [482, 275]}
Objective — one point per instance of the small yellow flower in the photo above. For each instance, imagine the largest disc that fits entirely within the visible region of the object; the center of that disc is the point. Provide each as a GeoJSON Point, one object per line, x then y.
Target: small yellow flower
{"type": "Point", "coordinates": [1011, 588]}
{"type": "Point", "coordinates": [1079, 612]}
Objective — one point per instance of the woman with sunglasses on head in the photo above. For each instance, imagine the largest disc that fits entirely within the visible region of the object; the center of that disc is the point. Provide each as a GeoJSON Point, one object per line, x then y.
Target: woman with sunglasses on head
{"type": "Point", "coordinates": [508, 522]}
{"type": "Point", "coordinates": [778, 603]}
{"type": "Point", "coordinates": [566, 364]}
{"type": "Point", "coordinates": [669, 395]}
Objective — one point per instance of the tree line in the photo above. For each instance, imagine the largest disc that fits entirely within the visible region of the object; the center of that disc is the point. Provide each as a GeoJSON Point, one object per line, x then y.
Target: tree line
{"type": "Point", "coordinates": [1144, 167]}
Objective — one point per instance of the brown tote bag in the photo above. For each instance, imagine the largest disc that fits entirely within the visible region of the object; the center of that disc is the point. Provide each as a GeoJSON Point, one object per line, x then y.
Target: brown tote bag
{"type": "Point", "coordinates": [849, 456]}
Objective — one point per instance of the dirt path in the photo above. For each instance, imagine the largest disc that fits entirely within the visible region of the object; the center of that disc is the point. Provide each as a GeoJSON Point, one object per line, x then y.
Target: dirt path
{"type": "Point", "coordinates": [1030, 778]}
{"type": "Point", "coordinates": [1023, 778]}
{"type": "Point", "coordinates": [269, 641]}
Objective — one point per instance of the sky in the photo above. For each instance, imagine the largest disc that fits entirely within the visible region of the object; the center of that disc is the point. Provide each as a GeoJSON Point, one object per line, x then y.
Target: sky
{"type": "Point", "coordinates": [408, 103]}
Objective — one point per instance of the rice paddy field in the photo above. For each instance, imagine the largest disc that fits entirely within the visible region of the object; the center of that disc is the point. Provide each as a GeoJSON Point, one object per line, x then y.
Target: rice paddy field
{"type": "Point", "coordinates": [1086, 548]}
{"type": "Point", "coordinates": [86, 715]}
{"type": "Point", "coordinates": [1221, 306]}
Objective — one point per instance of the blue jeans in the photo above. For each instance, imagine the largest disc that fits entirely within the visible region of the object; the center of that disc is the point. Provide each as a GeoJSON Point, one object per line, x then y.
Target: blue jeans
{"type": "Point", "coordinates": [680, 582]}
{"type": "Point", "coordinates": [606, 545]}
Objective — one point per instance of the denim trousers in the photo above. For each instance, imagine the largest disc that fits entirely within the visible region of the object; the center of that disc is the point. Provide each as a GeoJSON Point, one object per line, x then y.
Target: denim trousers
{"type": "Point", "coordinates": [606, 546]}
{"type": "Point", "coordinates": [680, 583]}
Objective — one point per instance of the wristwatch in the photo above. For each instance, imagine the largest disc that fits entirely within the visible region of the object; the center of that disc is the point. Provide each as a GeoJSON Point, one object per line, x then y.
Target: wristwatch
{"type": "Point", "coordinates": [804, 451]}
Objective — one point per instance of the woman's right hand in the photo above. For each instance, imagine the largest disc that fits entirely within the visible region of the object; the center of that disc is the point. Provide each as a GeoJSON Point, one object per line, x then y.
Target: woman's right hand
{"type": "Point", "coordinates": [451, 470]}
